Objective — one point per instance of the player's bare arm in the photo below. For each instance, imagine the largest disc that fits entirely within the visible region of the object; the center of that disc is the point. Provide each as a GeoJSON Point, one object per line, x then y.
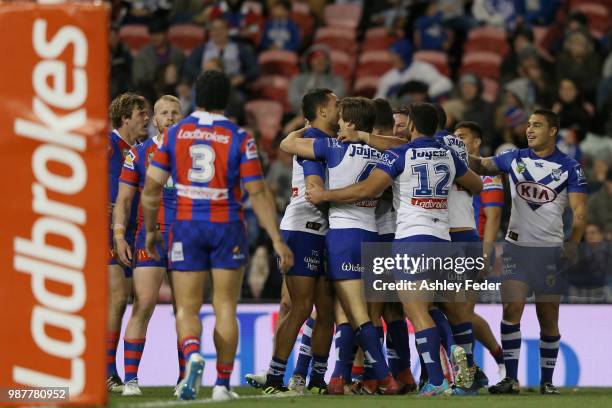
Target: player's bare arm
{"type": "Point", "coordinates": [265, 210]}
{"type": "Point", "coordinates": [578, 204]}
{"type": "Point", "coordinates": [470, 181]}
{"type": "Point", "coordinates": [483, 165]}
{"type": "Point", "coordinates": [149, 200]}
{"type": "Point", "coordinates": [491, 228]}
{"type": "Point", "coordinates": [294, 143]}
{"type": "Point", "coordinates": [371, 187]}
{"type": "Point", "coordinates": [121, 213]}
{"type": "Point", "coordinates": [378, 142]}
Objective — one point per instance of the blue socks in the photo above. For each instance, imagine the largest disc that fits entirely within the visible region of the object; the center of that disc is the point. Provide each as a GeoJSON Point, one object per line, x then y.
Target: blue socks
{"type": "Point", "coordinates": [305, 352]}
{"type": "Point", "coordinates": [511, 344]}
{"type": "Point", "coordinates": [549, 349]}
{"type": "Point", "coordinates": [444, 329]}
{"type": "Point", "coordinates": [276, 372]}
{"type": "Point", "coordinates": [464, 337]}
{"type": "Point", "coordinates": [344, 340]}
{"type": "Point", "coordinates": [428, 344]}
{"type": "Point", "coordinates": [398, 348]}
{"type": "Point", "coordinates": [367, 336]}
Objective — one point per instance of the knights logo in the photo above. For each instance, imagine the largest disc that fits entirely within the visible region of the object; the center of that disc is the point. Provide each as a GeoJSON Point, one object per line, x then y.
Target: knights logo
{"type": "Point", "coordinates": [556, 174]}
{"type": "Point", "coordinates": [521, 167]}
{"type": "Point", "coordinates": [237, 253]}
{"type": "Point", "coordinates": [551, 279]}
{"type": "Point", "coordinates": [150, 157]}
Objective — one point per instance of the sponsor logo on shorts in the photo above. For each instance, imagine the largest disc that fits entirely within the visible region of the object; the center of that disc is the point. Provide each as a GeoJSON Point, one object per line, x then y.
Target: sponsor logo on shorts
{"type": "Point", "coordinates": [237, 253]}
{"type": "Point", "coordinates": [176, 254]}
{"type": "Point", "coordinates": [350, 267]}
{"type": "Point", "coordinates": [313, 262]}
{"type": "Point", "coordinates": [551, 279]}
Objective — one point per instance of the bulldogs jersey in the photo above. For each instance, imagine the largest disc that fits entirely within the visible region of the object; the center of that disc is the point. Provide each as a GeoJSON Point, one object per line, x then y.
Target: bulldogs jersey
{"type": "Point", "coordinates": [208, 157]}
{"type": "Point", "coordinates": [539, 188]}
{"type": "Point", "coordinates": [347, 164]}
{"type": "Point", "coordinates": [423, 172]}
{"type": "Point", "coordinates": [134, 173]}
{"type": "Point", "coordinates": [118, 150]}
{"type": "Point", "coordinates": [300, 215]}
{"type": "Point", "coordinates": [492, 195]}
{"type": "Point", "coordinates": [385, 214]}
{"type": "Point", "coordinates": [460, 209]}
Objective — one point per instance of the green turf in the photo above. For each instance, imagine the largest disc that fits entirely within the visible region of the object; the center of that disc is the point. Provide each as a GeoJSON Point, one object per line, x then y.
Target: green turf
{"type": "Point", "coordinates": [582, 398]}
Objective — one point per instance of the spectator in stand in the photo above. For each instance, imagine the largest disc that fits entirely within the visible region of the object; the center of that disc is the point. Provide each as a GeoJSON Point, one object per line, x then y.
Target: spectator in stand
{"type": "Point", "coordinates": [430, 34]}
{"type": "Point", "coordinates": [600, 209]}
{"type": "Point", "coordinates": [539, 12]}
{"type": "Point", "coordinates": [469, 106]}
{"type": "Point", "coordinates": [581, 63]}
{"type": "Point", "coordinates": [144, 11]}
{"type": "Point", "coordinates": [540, 82]}
{"type": "Point", "coordinates": [498, 13]}
{"type": "Point", "coordinates": [404, 70]}
{"type": "Point", "coordinates": [120, 64]}
{"type": "Point", "coordinates": [521, 39]}
{"type": "Point", "coordinates": [244, 23]}
{"type": "Point", "coordinates": [279, 180]}
{"type": "Point", "coordinates": [239, 59]}
{"type": "Point", "coordinates": [596, 175]}
{"type": "Point", "coordinates": [157, 65]}
{"type": "Point", "coordinates": [510, 115]}
{"type": "Point", "coordinates": [316, 73]}
{"type": "Point", "coordinates": [280, 31]}
{"type": "Point", "coordinates": [573, 110]}
{"type": "Point", "coordinates": [385, 13]}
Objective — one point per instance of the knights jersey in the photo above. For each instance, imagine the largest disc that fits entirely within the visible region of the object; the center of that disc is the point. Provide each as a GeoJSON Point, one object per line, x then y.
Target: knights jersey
{"type": "Point", "coordinates": [492, 195]}
{"type": "Point", "coordinates": [300, 215]}
{"type": "Point", "coordinates": [460, 210]}
{"type": "Point", "coordinates": [118, 150]}
{"type": "Point", "coordinates": [208, 157]}
{"type": "Point", "coordinates": [423, 172]}
{"type": "Point", "coordinates": [539, 187]}
{"type": "Point", "coordinates": [347, 164]}
{"type": "Point", "coordinates": [134, 173]}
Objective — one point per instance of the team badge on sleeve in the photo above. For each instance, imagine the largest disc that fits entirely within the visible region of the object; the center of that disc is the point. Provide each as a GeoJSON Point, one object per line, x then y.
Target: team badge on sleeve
{"type": "Point", "coordinates": [251, 150]}
{"type": "Point", "coordinates": [129, 160]}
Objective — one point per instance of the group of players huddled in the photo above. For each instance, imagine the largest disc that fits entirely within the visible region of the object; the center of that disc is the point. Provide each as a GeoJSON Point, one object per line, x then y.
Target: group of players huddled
{"type": "Point", "coordinates": [361, 173]}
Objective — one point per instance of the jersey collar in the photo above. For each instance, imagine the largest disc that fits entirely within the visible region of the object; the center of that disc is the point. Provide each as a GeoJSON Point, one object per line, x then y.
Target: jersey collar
{"type": "Point", "coordinates": [207, 118]}
{"type": "Point", "coordinates": [315, 133]}
{"type": "Point", "coordinates": [116, 132]}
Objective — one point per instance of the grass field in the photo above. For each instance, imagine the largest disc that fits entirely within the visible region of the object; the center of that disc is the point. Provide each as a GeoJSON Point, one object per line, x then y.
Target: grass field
{"type": "Point", "coordinates": [583, 397]}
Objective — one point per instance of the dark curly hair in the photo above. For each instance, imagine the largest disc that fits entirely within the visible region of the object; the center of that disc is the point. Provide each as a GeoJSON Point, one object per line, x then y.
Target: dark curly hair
{"type": "Point", "coordinates": [212, 90]}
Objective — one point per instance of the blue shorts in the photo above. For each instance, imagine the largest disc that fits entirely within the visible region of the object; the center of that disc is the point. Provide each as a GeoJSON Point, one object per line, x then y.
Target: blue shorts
{"type": "Point", "coordinates": [344, 252]}
{"type": "Point", "coordinates": [129, 237]}
{"type": "Point", "coordinates": [142, 259]}
{"type": "Point", "coordinates": [203, 245]}
{"type": "Point", "coordinates": [467, 245]}
{"type": "Point", "coordinates": [308, 253]}
{"type": "Point", "coordinates": [386, 237]}
{"type": "Point", "coordinates": [539, 268]}
{"type": "Point", "coordinates": [417, 246]}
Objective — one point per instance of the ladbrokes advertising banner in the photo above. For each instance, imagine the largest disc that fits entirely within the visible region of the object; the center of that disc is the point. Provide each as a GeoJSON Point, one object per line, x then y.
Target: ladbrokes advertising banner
{"type": "Point", "coordinates": [53, 99]}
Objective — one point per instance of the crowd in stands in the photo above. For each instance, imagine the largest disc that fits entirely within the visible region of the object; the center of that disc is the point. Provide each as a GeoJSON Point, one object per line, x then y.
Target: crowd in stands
{"type": "Point", "coordinates": [489, 61]}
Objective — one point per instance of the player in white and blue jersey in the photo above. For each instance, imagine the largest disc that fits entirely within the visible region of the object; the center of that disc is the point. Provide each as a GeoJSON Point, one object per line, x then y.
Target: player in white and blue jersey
{"type": "Point", "coordinates": [543, 181]}
{"type": "Point", "coordinates": [350, 225]}
{"type": "Point", "coordinates": [304, 228]}
{"type": "Point", "coordinates": [421, 173]}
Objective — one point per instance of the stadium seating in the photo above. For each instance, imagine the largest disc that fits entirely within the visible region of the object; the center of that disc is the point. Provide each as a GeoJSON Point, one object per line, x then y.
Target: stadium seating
{"type": "Point", "coordinates": [487, 39]}
{"type": "Point", "coordinates": [374, 63]}
{"type": "Point", "coordinates": [343, 64]}
{"type": "Point", "coordinates": [487, 32]}
{"type": "Point", "coordinates": [186, 36]}
{"type": "Point", "coordinates": [598, 16]}
{"type": "Point", "coordinates": [266, 116]}
{"type": "Point", "coordinates": [481, 63]}
{"type": "Point", "coordinates": [436, 58]}
{"type": "Point", "coordinates": [337, 38]}
{"type": "Point", "coordinates": [135, 36]}
{"type": "Point", "coordinates": [300, 14]}
{"type": "Point", "coordinates": [274, 87]}
{"type": "Point", "coordinates": [366, 86]}
{"type": "Point", "coordinates": [279, 62]}
{"type": "Point", "coordinates": [342, 15]}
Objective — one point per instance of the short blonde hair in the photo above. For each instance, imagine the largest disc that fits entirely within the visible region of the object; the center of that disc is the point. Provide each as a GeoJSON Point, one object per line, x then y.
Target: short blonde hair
{"type": "Point", "coordinates": [166, 98]}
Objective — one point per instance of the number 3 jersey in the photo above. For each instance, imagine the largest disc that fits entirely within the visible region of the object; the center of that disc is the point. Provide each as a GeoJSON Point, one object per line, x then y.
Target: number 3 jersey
{"type": "Point", "coordinates": [347, 164]}
{"type": "Point", "coordinates": [539, 188]}
{"type": "Point", "coordinates": [423, 172]}
{"type": "Point", "coordinates": [134, 172]}
{"type": "Point", "coordinates": [208, 157]}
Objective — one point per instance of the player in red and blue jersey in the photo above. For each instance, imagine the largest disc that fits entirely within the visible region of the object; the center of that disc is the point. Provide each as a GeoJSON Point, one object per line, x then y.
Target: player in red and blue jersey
{"type": "Point", "coordinates": [148, 272]}
{"type": "Point", "coordinates": [130, 118]}
{"type": "Point", "coordinates": [210, 160]}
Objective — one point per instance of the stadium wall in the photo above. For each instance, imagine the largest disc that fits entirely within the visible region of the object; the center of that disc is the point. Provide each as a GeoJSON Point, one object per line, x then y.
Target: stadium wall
{"type": "Point", "coordinates": [582, 360]}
